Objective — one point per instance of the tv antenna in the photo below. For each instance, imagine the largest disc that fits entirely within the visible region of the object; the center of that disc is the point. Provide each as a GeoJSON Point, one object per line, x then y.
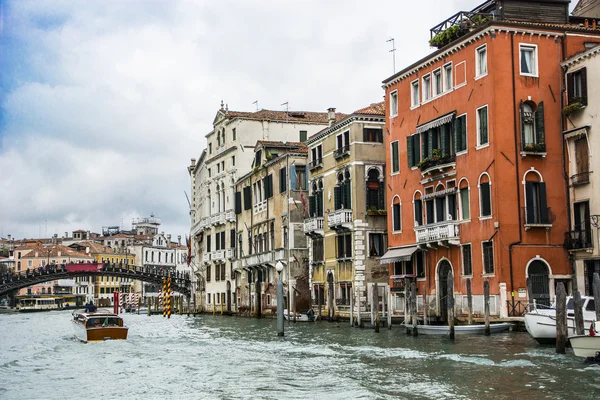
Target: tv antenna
{"type": "Point", "coordinates": [393, 51]}
{"type": "Point", "coordinates": [256, 102]}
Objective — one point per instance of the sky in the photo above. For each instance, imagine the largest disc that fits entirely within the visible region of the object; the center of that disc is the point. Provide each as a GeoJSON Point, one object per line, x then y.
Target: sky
{"type": "Point", "coordinates": [104, 103]}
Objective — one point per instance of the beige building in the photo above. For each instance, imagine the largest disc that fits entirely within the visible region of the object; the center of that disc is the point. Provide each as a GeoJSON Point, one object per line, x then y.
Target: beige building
{"type": "Point", "coordinates": [582, 108]}
{"type": "Point", "coordinates": [271, 202]}
{"type": "Point", "coordinates": [347, 226]}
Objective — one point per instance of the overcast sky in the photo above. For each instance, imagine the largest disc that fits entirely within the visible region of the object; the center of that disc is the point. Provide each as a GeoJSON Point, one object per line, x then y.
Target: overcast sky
{"type": "Point", "coordinates": [103, 103]}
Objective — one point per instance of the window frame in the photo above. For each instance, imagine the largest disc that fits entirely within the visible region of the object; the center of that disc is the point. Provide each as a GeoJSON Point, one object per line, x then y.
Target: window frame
{"type": "Point", "coordinates": [484, 272]}
{"type": "Point", "coordinates": [461, 152]}
{"type": "Point", "coordinates": [478, 73]}
{"type": "Point", "coordinates": [482, 217]}
{"type": "Point", "coordinates": [437, 78]}
{"type": "Point", "coordinates": [478, 127]}
{"type": "Point", "coordinates": [399, 204]}
{"type": "Point", "coordinates": [535, 65]}
{"type": "Point", "coordinates": [415, 102]}
{"type": "Point", "coordinates": [445, 68]}
{"type": "Point", "coordinates": [392, 171]}
{"type": "Point", "coordinates": [393, 103]}
{"type": "Point", "coordinates": [426, 95]}
{"type": "Point", "coordinates": [462, 259]}
{"type": "Point", "coordinates": [382, 244]}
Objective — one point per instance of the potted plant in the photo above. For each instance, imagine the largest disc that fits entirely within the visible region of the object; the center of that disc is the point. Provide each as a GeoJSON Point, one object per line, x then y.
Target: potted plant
{"type": "Point", "coordinates": [573, 107]}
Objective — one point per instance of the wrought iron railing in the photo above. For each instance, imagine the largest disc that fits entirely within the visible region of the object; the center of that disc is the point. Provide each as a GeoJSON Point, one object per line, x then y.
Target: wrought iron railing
{"type": "Point", "coordinates": [456, 26]}
{"type": "Point", "coordinates": [516, 308]}
{"type": "Point", "coordinates": [432, 162]}
{"type": "Point", "coordinates": [342, 151]}
{"type": "Point", "coordinates": [575, 240]}
{"type": "Point", "coordinates": [315, 164]}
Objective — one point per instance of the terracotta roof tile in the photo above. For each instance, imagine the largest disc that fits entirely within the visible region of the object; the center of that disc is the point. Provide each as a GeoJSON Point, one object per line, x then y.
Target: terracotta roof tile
{"type": "Point", "coordinates": [372, 109]}
{"type": "Point", "coordinates": [286, 145]}
{"type": "Point", "coordinates": [54, 250]}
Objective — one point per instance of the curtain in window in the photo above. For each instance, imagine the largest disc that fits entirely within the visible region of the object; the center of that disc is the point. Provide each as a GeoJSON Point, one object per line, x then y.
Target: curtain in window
{"type": "Point", "coordinates": [482, 61]}
{"type": "Point", "coordinates": [526, 61]}
{"type": "Point", "coordinates": [464, 204]}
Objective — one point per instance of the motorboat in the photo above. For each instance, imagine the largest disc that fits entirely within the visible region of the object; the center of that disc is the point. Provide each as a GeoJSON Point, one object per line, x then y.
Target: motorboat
{"type": "Point", "coordinates": [587, 345]}
{"type": "Point", "coordinates": [306, 316]}
{"type": "Point", "coordinates": [541, 322]}
{"type": "Point", "coordinates": [98, 326]}
{"type": "Point", "coordinates": [460, 329]}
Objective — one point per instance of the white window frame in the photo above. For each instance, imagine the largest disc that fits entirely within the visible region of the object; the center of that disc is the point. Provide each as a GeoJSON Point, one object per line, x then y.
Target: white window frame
{"type": "Point", "coordinates": [462, 259]}
{"type": "Point", "coordinates": [392, 172]}
{"type": "Point", "coordinates": [415, 102]}
{"type": "Point", "coordinates": [456, 86]}
{"type": "Point", "coordinates": [435, 79]}
{"type": "Point", "coordinates": [394, 104]}
{"type": "Point", "coordinates": [459, 153]}
{"type": "Point", "coordinates": [483, 273]}
{"type": "Point", "coordinates": [535, 65]}
{"type": "Point", "coordinates": [460, 203]}
{"type": "Point", "coordinates": [478, 73]}
{"type": "Point", "coordinates": [426, 95]}
{"type": "Point", "coordinates": [392, 207]}
{"type": "Point", "coordinates": [487, 111]}
{"type": "Point", "coordinates": [447, 87]}
{"type": "Point", "coordinates": [482, 217]}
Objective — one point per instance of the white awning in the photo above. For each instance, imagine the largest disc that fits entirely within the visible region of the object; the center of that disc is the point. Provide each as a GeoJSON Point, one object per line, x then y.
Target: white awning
{"type": "Point", "coordinates": [394, 255]}
{"type": "Point", "coordinates": [435, 123]}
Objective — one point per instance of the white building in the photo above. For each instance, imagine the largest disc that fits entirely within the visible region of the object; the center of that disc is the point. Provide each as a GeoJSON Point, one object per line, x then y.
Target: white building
{"type": "Point", "coordinates": [229, 155]}
{"type": "Point", "coordinates": [582, 107]}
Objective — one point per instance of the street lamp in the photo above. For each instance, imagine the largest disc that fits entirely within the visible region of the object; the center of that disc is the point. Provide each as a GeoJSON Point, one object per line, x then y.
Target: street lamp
{"type": "Point", "coordinates": [279, 268]}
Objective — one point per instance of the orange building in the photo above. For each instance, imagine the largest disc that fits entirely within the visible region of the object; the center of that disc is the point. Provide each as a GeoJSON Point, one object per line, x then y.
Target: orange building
{"type": "Point", "coordinates": [475, 158]}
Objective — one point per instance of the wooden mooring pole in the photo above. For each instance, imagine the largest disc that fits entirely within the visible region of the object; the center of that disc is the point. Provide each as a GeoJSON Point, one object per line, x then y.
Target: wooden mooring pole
{"type": "Point", "coordinates": [352, 307]}
{"type": "Point", "coordinates": [376, 306]}
{"type": "Point", "coordinates": [561, 318]}
{"type": "Point", "coordinates": [578, 304]}
{"type": "Point", "coordinates": [469, 301]}
{"type": "Point", "coordinates": [389, 315]}
{"type": "Point", "coordinates": [597, 294]}
{"type": "Point", "coordinates": [486, 306]}
{"type": "Point", "coordinates": [450, 302]}
{"type": "Point", "coordinates": [413, 305]}
{"type": "Point", "coordinates": [383, 302]}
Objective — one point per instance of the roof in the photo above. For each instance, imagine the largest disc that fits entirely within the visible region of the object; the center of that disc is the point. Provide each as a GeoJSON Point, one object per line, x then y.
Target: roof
{"type": "Point", "coordinates": [53, 250]}
{"type": "Point", "coordinates": [95, 248]}
{"type": "Point", "coordinates": [372, 109]}
{"type": "Point", "coordinates": [284, 116]}
{"type": "Point", "coordinates": [118, 235]}
{"type": "Point", "coordinates": [279, 144]}
{"type": "Point", "coordinates": [581, 56]}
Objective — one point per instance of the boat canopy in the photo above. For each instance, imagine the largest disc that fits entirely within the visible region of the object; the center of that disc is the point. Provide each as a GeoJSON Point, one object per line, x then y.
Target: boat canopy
{"type": "Point", "coordinates": [400, 254]}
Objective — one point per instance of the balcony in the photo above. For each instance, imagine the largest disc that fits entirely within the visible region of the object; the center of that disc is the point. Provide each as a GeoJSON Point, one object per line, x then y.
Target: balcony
{"type": "Point", "coordinates": [340, 219]}
{"type": "Point", "coordinates": [266, 258]}
{"type": "Point", "coordinates": [260, 207]}
{"type": "Point", "coordinates": [442, 233]}
{"type": "Point", "coordinates": [230, 216]}
{"type": "Point", "coordinates": [538, 218]}
{"type": "Point", "coordinates": [206, 257]}
{"type": "Point", "coordinates": [314, 225]}
{"type": "Point", "coordinates": [456, 26]}
{"type": "Point", "coordinates": [533, 149]}
{"type": "Point", "coordinates": [230, 253]}
{"type": "Point", "coordinates": [205, 223]}
{"type": "Point", "coordinates": [579, 240]}
{"type": "Point", "coordinates": [437, 163]}
{"type": "Point", "coordinates": [341, 152]}
{"type": "Point", "coordinates": [581, 178]}
{"type": "Point", "coordinates": [218, 255]}
{"type": "Point", "coordinates": [314, 164]}
{"type": "Point", "coordinates": [217, 219]}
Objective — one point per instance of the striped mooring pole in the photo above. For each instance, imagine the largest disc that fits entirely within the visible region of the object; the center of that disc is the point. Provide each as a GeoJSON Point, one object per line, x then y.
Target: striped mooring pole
{"type": "Point", "coordinates": [166, 299]}
{"type": "Point", "coordinates": [121, 301]}
{"type": "Point", "coordinates": [170, 296]}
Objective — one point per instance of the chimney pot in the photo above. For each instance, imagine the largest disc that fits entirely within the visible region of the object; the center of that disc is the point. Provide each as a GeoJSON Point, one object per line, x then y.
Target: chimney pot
{"type": "Point", "coordinates": [331, 115]}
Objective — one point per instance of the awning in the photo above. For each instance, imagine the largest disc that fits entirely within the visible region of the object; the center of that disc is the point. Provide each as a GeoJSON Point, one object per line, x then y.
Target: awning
{"type": "Point", "coordinates": [394, 255]}
{"type": "Point", "coordinates": [436, 122]}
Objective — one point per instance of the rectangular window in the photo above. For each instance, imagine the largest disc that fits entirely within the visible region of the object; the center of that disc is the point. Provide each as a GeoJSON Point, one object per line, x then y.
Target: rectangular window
{"type": "Point", "coordinates": [373, 135]}
{"type": "Point", "coordinates": [397, 219]}
{"type": "Point", "coordinates": [481, 62]}
{"type": "Point", "coordinates": [460, 133]}
{"type": "Point", "coordinates": [394, 103]}
{"type": "Point", "coordinates": [208, 273]}
{"type": "Point", "coordinates": [344, 243]}
{"type": "Point", "coordinates": [282, 180]}
{"type": "Point", "coordinates": [413, 150]}
{"type": "Point", "coordinates": [486, 199]}
{"type": "Point", "coordinates": [376, 245]}
{"type": "Point", "coordinates": [317, 247]}
{"type": "Point", "coordinates": [536, 208]}
{"type": "Point", "coordinates": [247, 198]}
{"type": "Point", "coordinates": [257, 158]}
{"type": "Point", "coordinates": [395, 157]}
{"type": "Point", "coordinates": [447, 77]}
{"type": "Point", "coordinates": [414, 93]}
{"type": "Point", "coordinates": [488, 257]}
{"type": "Point", "coordinates": [233, 134]}
{"type": "Point", "coordinates": [420, 264]}
{"type": "Point", "coordinates": [233, 161]}
{"type": "Point", "coordinates": [465, 212]}
{"type": "Point", "coordinates": [528, 55]}
{"type": "Point", "coordinates": [418, 212]}
{"type": "Point", "coordinates": [466, 260]}
{"type": "Point", "coordinates": [437, 82]}
{"type": "Point", "coordinates": [577, 87]}
{"type": "Point", "coordinates": [303, 136]}
{"type": "Point", "coordinates": [482, 126]}
{"type": "Point", "coordinates": [301, 181]}
{"type": "Point", "coordinates": [210, 148]}
{"type": "Point", "coordinates": [426, 88]}
{"type": "Point", "coordinates": [209, 173]}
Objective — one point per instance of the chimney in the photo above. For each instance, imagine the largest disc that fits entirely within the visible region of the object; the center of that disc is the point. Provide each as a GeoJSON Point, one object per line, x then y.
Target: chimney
{"type": "Point", "coordinates": [87, 250]}
{"type": "Point", "coordinates": [66, 234]}
{"type": "Point", "coordinates": [179, 239]}
{"type": "Point", "coordinates": [193, 162]}
{"type": "Point", "coordinates": [169, 240]}
{"type": "Point", "coordinates": [331, 115]}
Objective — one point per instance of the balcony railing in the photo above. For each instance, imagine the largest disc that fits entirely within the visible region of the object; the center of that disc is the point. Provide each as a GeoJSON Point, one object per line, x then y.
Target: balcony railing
{"type": "Point", "coordinates": [204, 223]}
{"type": "Point", "coordinates": [437, 163]}
{"type": "Point", "coordinates": [230, 215]}
{"type": "Point", "coordinates": [314, 164]}
{"type": "Point", "coordinates": [340, 218]}
{"type": "Point", "coordinates": [581, 178]}
{"type": "Point", "coordinates": [258, 259]}
{"type": "Point", "coordinates": [538, 217]}
{"type": "Point", "coordinates": [577, 240]}
{"type": "Point", "coordinates": [313, 225]}
{"type": "Point", "coordinates": [206, 257]}
{"type": "Point", "coordinates": [259, 207]}
{"type": "Point", "coordinates": [218, 255]}
{"type": "Point", "coordinates": [441, 231]}
{"type": "Point", "coordinates": [456, 26]}
{"type": "Point", "coordinates": [342, 151]}
{"type": "Point", "coordinates": [217, 219]}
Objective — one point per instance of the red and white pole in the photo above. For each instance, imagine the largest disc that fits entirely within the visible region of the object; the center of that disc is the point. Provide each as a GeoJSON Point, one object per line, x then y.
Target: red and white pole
{"type": "Point", "coordinates": [116, 302]}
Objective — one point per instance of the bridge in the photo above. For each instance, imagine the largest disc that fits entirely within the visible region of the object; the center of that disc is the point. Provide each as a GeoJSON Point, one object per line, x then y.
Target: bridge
{"type": "Point", "coordinates": [12, 282]}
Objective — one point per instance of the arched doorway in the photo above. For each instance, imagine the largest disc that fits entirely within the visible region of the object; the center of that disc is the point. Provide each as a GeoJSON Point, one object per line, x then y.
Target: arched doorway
{"type": "Point", "coordinates": [443, 270]}
{"type": "Point", "coordinates": [538, 274]}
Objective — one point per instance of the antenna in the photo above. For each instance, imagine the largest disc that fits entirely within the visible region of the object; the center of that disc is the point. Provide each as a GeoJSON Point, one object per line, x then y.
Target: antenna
{"type": "Point", "coordinates": [188, 199]}
{"type": "Point", "coordinates": [287, 115]}
{"type": "Point", "coordinates": [393, 51]}
{"type": "Point", "coordinates": [256, 102]}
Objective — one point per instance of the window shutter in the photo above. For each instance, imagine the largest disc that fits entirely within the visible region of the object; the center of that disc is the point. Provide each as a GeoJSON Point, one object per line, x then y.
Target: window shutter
{"type": "Point", "coordinates": [293, 177]}
{"type": "Point", "coordinates": [337, 196]}
{"type": "Point", "coordinates": [570, 88]}
{"type": "Point", "coordinates": [483, 123]}
{"type": "Point", "coordinates": [381, 196]}
{"type": "Point", "coordinates": [238, 202]}
{"type": "Point", "coordinates": [539, 124]}
{"type": "Point", "coordinates": [424, 137]}
{"type": "Point", "coordinates": [247, 198]}
{"type": "Point", "coordinates": [347, 195]}
{"type": "Point", "coordinates": [455, 135]}
{"type": "Point", "coordinates": [232, 238]}
{"type": "Point", "coordinates": [282, 180]}
{"type": "Point", "coordinates": [583, 86]}
{"type": "Point", "coordinates": [430, 143]}
{"type": "Point", "coordinates": [311, 206]}
{"type": "Point", "coordinates": [486, 209]}
{"type": "Point", "coordinates": [397, 220]}
{"type": "Point", "coordinates": [529, 203]}
{"type": "Point", "coordinates": [416, 149]}
{"type": "Point", "coordinates": [348, 245]}
{"type": "Point", "coordinates": [543, 204]}
{"type": "Point", "coordinates": [419, 212]}
{"type": "Point", "coordinates": [409, 151]}
{"type": "Point", "coordinates": [522, 125]}
{"type": "Point", "coordinates": [452, 206]}
{"type": "Point", "coordinates": [446, 140]}
{"type": "Point", "coordinates": [265, 183]}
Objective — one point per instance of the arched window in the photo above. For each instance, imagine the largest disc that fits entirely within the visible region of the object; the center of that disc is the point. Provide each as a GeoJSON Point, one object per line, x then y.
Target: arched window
{"type": "Point", "coordinates": [536, 208]}
{"type": "Point", "coordinates": [440, 204]}
{"type": "Point", "coordinates": [342, 191]}
{"type": "Point", "coordinates": [396, 214]}
{"type": "Point", "coordinates": [463, 194]}
{"type": "Point", "coordinates": [418, 208]}
{"type": "Point", "coordinates": [375, 193]}
{"type": "Point", "coordinates": [485, 195]}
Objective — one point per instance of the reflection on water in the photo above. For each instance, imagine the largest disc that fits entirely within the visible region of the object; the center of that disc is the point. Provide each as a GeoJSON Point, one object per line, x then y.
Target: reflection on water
{"type": "Point", "coordinates": [228, 357]}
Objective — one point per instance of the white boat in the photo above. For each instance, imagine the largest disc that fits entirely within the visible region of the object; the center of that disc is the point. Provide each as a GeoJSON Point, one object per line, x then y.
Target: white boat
{"type": "Point", "coordinates": [541, 322]}
{"type": "Point", "coordinates": [460, 329]}
{"type": "Point", "coordinates": [585, 345]}
{"type": "Point", "coordinates": [307, 316]}
{"type": "Point", "coordinates": [37, 304]}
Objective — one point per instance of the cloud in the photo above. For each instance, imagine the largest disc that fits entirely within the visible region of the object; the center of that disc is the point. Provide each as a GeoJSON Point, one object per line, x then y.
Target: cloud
{"type": "Point", "coordinates": [103, 104]}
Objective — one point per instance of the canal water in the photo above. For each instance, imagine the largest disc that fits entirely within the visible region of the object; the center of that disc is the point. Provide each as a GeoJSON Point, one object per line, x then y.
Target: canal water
{"type": "Point", "coordinates": [208, 357]}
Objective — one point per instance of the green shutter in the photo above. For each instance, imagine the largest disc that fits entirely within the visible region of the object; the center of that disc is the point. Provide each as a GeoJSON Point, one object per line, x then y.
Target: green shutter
{"type": "Point", "coordinates": [424, 144]}
{"type": "Point", "coordinates": [446, 140]}
{"type": "Point", "coordinates": [483, 126]}
{"type": "Point", "coordinates": [337, 196]}
{"type": "Point", "coordinates": [430, 143]}
{"type": "Point", "coordinates": [539, 124]}
{"type": "Point", "coordinates": [416, 148]}
{"type": "Point", "coordinates": [395, 161]}
{"type": "Point", "coordinates": [311, 206]}
{"type": "Point", "coordinates": [409, 151]}
{"type": "Point", "coordinates": [455, 135]}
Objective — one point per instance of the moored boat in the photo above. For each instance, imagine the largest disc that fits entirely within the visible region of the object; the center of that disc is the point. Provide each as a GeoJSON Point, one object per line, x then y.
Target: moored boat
{"type": "Point", "coordinates": [460, 329]}
{"type": "Point", "coordinates": [587, 345]}
{"type": "Point", "coordinates": [98, 326]}
{"type": "Point", "coordinates": [307, 316]}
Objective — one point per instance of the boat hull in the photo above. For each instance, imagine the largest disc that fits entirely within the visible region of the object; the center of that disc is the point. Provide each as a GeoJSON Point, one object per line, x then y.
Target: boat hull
{"type": "Point", "coordinates": [460, 329]}
{"type": "Point", "coordinates": [585, 346]}
{"type": "Point", "coordinates": [99, 334]}
{"type": "Point", "coordinates": [542, 327]}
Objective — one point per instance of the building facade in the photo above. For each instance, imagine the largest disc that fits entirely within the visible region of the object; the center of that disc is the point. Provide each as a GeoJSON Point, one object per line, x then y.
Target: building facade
{"type": "Point", "coordinates": [347, 171]}
{"type": "Point", "coordinates": [475, 150]}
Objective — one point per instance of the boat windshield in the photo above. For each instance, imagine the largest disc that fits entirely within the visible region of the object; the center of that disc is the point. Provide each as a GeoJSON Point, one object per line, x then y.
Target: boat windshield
{"type": "Point", "coordinates": [570, 304]}
{"type": "Point", "coordinates": [103, 321]}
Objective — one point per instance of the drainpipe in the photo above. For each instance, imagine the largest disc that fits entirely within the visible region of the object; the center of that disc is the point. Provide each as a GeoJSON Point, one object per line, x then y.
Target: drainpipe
{"type": "Point", "coordinates": [516, 117]}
